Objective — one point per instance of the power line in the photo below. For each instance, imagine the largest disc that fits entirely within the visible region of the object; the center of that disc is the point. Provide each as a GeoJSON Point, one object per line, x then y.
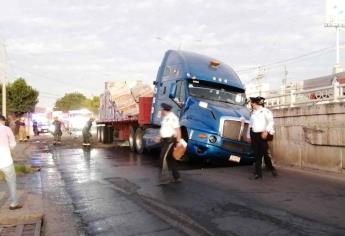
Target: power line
{"type": "Point", "coordinates": [288, 60]}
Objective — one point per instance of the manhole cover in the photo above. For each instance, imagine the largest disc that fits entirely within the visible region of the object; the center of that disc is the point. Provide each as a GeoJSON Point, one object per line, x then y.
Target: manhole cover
{"type": "Point", "coordinates": [23, 229]}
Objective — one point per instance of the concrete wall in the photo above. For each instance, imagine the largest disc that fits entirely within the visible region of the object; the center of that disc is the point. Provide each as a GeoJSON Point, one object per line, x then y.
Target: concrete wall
{"type": "Point", "coordinates": [310, 137]}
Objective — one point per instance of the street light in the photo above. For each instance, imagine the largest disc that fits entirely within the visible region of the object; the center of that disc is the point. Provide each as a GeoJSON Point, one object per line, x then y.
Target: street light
{"type": "Point", "coordinates": [335, 18]}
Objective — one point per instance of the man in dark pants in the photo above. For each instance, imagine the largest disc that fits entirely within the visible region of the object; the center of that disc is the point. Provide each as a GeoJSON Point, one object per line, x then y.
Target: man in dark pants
{"type": "Point", "coordinates": [57, 131]}
{"type": "Point", "coordinates": [86, 132]}
{"type": "Point", "coordinates": [261, 129]}
{"type": "Point", "coordinates": [170, 133]}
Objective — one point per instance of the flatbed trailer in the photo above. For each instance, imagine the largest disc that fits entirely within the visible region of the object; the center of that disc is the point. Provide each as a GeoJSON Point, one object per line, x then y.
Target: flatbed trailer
{"type": "Point", "coordinates": [125, 129]}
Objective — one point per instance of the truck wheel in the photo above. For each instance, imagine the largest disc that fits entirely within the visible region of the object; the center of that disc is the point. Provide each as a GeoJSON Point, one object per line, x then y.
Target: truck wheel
{"type": "Point", "coordinates": [131, 138]}
{"type": "Point", "coordinates": [101, 132]}
{"type": "Point", "coordinates": [139, 141]}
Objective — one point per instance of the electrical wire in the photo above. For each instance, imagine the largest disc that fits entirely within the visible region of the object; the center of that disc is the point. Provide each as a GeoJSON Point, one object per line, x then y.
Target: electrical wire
{"type": "Point", "coordinates": [288, 60]}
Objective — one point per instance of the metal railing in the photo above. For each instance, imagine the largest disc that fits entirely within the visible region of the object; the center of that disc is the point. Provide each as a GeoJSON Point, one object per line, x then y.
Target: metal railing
{"type": "Point", "coordinates": [295, 98]}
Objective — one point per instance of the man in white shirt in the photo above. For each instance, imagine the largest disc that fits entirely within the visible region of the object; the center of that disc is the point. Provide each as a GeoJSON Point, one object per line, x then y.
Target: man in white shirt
{"type": "Point", "coordinates": [7, 142]}
{"type": "Point", "coordinates": [170, 133]}
{"type": "Point", "coordinates": [261, 130]}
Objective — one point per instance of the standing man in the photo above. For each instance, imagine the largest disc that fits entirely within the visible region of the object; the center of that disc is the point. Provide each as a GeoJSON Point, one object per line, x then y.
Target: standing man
{"type": "Point", "coordinates": [261, 129]}
{"type": "Point", "coordinates": [57, 131]}
{"type": "Point", "coordinates": [170, 133]}
{"type": "Point", "coordinates": [86, 132]}
{"type": "Point", "coordinates": [35, 128]}
{"type": "Point", "coordinates": [22, 130]}
{"type": "Point", "coordinates": [7, 142]}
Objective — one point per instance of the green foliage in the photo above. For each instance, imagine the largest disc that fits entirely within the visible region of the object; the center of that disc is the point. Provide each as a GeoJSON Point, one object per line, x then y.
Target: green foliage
{"type": "Point", "coordinates": [20, 170]}
{"type": "Point", "coordinates": [76, 101]}
{"type": "Point", "coordinates": [21, 97]}
{"type": "Point", "coordinates": [92, 104]}
{"type": "Point", "coordinates": [71, 101]}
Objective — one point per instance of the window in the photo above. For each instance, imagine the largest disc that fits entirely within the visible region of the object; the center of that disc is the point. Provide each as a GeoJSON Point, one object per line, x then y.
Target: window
{"type": "Point", "coordinates": [216, 92]}
{"type": "Point", "coordinates": [181, 91]}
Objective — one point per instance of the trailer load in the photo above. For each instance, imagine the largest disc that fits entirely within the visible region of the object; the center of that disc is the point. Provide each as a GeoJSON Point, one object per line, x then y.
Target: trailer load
{"type": "Point", "coordinates": [120, 100]}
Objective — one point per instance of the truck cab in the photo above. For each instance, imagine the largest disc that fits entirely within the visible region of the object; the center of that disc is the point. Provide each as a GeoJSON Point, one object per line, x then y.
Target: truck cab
{"type": "Point", "coordinates": [209, 99]}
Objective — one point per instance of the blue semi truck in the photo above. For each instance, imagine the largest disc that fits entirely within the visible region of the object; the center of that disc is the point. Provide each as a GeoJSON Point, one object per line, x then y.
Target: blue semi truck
{"type": "Point", "coordinates": [207, 96]}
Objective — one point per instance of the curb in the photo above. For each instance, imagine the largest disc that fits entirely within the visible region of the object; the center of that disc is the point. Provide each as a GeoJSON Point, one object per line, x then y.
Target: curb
{"type": "Point", "coordinates": [32, 210]}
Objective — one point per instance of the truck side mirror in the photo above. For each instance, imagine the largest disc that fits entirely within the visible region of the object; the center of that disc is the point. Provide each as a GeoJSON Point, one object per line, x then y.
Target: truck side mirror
{"type": "Point", "coordinates": [172, 92]}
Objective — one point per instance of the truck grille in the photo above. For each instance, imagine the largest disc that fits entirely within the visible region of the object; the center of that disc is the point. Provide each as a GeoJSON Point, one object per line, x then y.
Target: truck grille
{"type": "Point", "coordinates": [240, 148]}
{"type": "Point", "coordinates": [233, 129]}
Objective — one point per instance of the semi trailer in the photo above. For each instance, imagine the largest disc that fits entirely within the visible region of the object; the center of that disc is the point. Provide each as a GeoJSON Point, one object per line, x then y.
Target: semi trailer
{"type": "Point", "coordinates": [207, 96]}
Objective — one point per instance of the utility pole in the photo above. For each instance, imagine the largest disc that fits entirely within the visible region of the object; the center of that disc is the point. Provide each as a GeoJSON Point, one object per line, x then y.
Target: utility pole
{"type": "Point", "coordinates": [284, 82]}
{"type": "Point", "coordinates": [3, 77]}
{"type": "Point", "coordinates": [259, 77]}
{"type": "Point", "coordinates": [335, 18]}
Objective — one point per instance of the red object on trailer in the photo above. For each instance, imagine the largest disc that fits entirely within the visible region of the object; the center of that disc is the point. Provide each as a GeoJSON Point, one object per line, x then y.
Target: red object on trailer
{"type": "Point", "coordinates": [145, 105]}
{"type": "Point", "coordinates": [123, 126]}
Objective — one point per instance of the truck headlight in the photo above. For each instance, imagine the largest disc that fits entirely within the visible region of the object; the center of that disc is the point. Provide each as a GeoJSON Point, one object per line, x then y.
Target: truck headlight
{"type": "Point", "coordinates": [212, 139]}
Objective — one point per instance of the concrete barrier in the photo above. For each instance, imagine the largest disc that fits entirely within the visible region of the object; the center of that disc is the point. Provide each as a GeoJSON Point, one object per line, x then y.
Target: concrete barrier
{"type": "Point", "coordinates": [310, 137]}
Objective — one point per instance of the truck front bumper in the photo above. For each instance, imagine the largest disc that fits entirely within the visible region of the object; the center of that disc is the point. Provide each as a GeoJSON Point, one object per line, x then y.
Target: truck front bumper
{"type": "Point", "coordinates": [201, 150]}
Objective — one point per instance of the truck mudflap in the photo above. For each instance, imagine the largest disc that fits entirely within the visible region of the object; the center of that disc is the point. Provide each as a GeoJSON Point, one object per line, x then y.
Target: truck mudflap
{"type": "Point", "coordinates": [201, 150]}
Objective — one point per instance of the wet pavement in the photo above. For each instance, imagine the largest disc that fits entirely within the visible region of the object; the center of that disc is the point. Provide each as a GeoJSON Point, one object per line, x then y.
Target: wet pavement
{"type": "Point", "coordinates": [114, 192]}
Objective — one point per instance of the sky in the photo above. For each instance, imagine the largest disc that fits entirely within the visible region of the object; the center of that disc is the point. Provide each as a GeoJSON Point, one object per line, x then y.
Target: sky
{"type": "Point", "coordinates": [76, 45]}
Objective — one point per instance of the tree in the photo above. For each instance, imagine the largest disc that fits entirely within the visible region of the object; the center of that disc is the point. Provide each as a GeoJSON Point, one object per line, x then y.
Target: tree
{"type": "Point", "coordinates": [21, 98]}
{"type": "Point", "coordinates": [92, 104]}
{"type": "Point", "coordinates": [71, 101]}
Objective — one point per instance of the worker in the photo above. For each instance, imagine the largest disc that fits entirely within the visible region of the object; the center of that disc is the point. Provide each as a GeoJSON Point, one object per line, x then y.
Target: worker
{"type": "Point", "coordinates": [7, 142]}
{"type": "Point", "coordinates": [170, 134]}
{"type": "Point", "coordinates": [35, 128]}
{"type": "Point", "coordinates": [57, 132]}
{"type": "Point", "coordinates": [86, 132]}
{"type": "Point", "coordinates": [267, 154]}
{"type": "Point", "coordinates": [22, 130]}
{"type": "Point", "coordinates": [261, 129]}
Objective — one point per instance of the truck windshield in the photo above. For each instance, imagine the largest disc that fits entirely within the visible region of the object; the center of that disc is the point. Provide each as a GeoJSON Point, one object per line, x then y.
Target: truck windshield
{"type": "Point", "coordinates": [216, 92]}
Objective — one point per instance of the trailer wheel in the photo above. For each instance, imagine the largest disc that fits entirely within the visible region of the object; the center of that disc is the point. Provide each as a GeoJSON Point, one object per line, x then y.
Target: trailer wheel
{"type": "Point", "coordinates": [139, 141]}
{"type": "Point", "coordinates": [101, 134]}
{"type": "Point", "coordinates": [131, 139]}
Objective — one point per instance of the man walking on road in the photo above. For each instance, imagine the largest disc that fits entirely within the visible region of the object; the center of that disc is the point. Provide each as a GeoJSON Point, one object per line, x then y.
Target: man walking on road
{"type": "Point", "coordinates": [170, 133]}
{"type": "Point", "coordinates": [261, 130]}
{"type": "Point", "coordinates": [8, 141]}
{"type": "Point", "coordinates": [86, 132]}
{"type": "Point", "coordinates": [57, 131]}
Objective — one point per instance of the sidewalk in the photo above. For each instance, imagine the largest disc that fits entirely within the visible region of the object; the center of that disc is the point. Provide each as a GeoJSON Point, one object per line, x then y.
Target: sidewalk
{"type": "Point", "coordinates": [32, 209]}
{"type": "Point", "coordinates": [30, 196]}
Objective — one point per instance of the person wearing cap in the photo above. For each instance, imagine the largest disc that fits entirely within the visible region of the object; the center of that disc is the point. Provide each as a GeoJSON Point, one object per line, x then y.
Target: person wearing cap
{"type": "Point", "coordinates": [7, 142]}
{"type": "Point", "coordinates": [170, 134]}
{"type": "Point", "coordinates": [86, 132]}
{"type": "Point", "coordinates": [57, 130]}
{"type": "Point", "coordinates": [261, 129]}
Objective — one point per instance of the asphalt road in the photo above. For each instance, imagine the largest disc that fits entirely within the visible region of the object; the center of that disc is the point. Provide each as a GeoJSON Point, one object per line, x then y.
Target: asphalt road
{"type": "Point", "coordinates": [115, 192]}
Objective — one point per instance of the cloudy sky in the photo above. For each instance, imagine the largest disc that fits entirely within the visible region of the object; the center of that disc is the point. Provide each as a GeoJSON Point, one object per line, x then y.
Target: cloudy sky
{"type": "Point", "coordinates": [75, 45]}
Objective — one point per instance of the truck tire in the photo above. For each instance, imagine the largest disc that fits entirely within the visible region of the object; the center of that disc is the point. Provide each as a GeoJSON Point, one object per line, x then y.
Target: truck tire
{"type": "Point", "coordinates": [101, 132]}
{"type": "Point", "coordinates": [108, 134]}
{"type": "Point", "coordinates": [139, 141]}
{"type": "Point", "coordinates": [131, 139]}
